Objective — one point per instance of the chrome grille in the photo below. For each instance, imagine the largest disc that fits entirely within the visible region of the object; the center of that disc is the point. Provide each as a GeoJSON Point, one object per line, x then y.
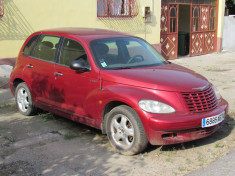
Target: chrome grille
{"type": "Point", "coordinates": [200, 101]}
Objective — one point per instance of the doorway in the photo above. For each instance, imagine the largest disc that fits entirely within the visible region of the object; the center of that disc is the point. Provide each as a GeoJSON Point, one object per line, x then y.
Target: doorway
{"type": "Point", "coordinates": [183, 30]}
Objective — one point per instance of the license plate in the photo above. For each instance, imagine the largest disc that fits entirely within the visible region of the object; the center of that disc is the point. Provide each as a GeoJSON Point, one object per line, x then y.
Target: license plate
{"type": "Point", "coordinates": [214, 120]}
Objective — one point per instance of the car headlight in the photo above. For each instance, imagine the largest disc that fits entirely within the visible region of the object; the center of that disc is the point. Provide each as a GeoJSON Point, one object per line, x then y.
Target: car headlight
{"type": "Point", "coordinates": [217, 94]}
{"type": "Point", "coordinates": [155, 107]}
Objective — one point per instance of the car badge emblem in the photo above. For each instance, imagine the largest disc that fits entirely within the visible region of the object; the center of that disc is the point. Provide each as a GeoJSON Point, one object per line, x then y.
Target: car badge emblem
{"type": "Point", "coordinates": [200, 88]}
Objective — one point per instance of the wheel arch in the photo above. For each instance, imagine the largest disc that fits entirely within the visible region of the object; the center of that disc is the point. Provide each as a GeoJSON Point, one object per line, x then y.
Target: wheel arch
{"type": "Point", "coordinates": [109, 106]}
{"type": "Point", "coordinates": [15, 83]}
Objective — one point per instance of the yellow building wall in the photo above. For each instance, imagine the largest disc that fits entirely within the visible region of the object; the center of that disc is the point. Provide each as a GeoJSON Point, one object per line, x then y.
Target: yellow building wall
{"type": "Point", "coordinates": [221, 8]}
{"type": "Point", "coordinates": [23, 17]}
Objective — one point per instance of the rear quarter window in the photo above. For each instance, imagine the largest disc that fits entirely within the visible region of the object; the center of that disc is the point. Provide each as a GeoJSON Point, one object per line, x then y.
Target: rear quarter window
{"type": "Point", "coordinates": [29, 46]}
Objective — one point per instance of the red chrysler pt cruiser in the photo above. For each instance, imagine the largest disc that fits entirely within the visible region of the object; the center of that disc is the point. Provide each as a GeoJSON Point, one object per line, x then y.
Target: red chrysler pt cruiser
{"type": "Point", "coordinates": [117, 83]}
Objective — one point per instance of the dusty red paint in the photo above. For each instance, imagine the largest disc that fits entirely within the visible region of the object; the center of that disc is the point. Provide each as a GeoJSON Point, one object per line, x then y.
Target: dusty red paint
{"type": "Point", "coordinates": [83, 96]}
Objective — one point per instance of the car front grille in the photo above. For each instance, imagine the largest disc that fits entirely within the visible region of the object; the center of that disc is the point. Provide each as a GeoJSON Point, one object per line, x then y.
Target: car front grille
{"type": "Point", "coordinates": [200, 101]}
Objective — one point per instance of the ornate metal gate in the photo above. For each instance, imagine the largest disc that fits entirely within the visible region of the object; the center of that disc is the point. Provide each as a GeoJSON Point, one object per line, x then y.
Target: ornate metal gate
{"type": "Point", "coordinates": [169, 30]}
{"type": "Point", "coordinates": [203, 21]}
{"type": "Point", "coordinates": [203, 33]}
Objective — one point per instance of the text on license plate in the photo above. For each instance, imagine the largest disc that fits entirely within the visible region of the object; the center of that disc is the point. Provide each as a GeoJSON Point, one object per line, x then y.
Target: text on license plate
{"type": "Point", "coordinates": [214, 120]}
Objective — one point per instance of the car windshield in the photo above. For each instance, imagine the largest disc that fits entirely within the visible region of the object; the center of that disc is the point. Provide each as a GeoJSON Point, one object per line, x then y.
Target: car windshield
{"type": "Point", "coordinates": [125, 53]}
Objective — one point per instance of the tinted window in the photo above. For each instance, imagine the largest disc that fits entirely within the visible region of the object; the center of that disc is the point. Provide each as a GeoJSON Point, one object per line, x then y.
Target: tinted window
{"type": "Point", "coordinates": [29, 46]}
{"type": "Point", "coordinates": [46, 47]}
{"type": "Point", "coordinates": [72, 50]}
{"type": "Point", "coordinates": [121, 53]}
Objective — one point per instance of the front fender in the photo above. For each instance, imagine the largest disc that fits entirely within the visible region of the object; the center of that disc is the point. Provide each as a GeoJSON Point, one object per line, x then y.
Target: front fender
{"type": "Point", "coordinates": [131, 95]}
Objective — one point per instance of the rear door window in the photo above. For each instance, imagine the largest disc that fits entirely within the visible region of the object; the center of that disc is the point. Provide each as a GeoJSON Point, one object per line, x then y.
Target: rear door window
{"type": "Point", "coordinates": [46, 48]}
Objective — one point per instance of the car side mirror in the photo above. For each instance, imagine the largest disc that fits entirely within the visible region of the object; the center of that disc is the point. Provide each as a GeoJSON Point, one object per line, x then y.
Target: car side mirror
{"type": "Point", "coordinates": [79, 66]}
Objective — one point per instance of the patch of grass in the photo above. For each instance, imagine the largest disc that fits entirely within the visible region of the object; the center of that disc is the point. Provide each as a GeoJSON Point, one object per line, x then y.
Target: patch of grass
{"type": "Point", "coordinates": [70, 135]}
{"type": "Point", "coordinates": [226, 88]}
{"type": "Point", "coordinates": [217, 145]}
{"type": "Point", "coordinates": [210, 68]}
{"type": "Point", "coordinates": [233, 80]}
{"type": "Point", "coordinates": [14, 106]}
{"type": "Point", "coordinates": [9, 138]}
{"type": "Point", "coordinates": [174, 150]}
{"type": "Point", "coordinates": [201, 159]}
{"type": "Point", "coordinates": [3, 128]}
{"type": "Point", "coordinates": [232, 114]}
{"type": "Point", "coordinates": [46, 117]}
{"type": "Point", "coordinates": [181, 169]}
{"type": "Point", "coordinates": [212, 79]}
{"type": "Point", "coordinates": [8, 105]}
{"type": "Point", "coordinates": [214, 155]}
{"type": "Point", "coordinates": [169, 160]}
{"type": "Point", "coordinates": [188, 161]}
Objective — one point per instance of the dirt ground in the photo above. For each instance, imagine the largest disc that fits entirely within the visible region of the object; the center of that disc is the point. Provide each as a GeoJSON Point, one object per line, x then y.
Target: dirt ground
{"type": "Point", "coordinates": [46, 144]}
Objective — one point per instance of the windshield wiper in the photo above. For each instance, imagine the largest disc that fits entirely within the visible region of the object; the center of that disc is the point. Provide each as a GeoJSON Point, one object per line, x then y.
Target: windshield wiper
{"type": "Point", "coordinates": [119, 68]}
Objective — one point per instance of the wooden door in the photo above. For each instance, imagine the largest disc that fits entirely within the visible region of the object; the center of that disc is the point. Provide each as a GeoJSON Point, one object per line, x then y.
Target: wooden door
{"type": "Point", "coordinates": [169, 30]}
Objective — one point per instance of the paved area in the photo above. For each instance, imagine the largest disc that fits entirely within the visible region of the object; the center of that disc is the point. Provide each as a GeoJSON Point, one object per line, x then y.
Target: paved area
{"type": "Point", "coordinates": [51, 145]}
{"type": "Point", "coordinates": [5, 93]}
{"type": "Point", "coordinates": [225, 166]}
{"type": "Point", "coordinates": [220, 70]}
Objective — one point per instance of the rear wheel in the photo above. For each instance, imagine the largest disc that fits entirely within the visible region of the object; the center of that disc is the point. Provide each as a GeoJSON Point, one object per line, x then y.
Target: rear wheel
{"type": "Point", "coordinates": [24, 100]}
{"type": "Point", "coordinates": [125, 131]}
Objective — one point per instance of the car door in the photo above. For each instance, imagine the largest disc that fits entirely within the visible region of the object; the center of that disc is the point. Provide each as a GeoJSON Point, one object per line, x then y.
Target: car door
{"type": "Point", "coordinates": [39, 69]}
{"type": "Point", "coordinates": [74, 91]}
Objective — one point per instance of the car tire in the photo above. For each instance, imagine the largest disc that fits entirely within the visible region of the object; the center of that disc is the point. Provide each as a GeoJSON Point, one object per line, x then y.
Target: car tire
{"type": "Point", "coordinates": [24, 100]}
{"type": "Point", "coordinates": [125, 131]}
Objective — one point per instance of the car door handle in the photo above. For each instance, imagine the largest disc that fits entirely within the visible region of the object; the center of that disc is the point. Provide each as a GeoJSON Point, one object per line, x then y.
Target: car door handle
{"type": "Point", "coordinates": [58, 74]}
{"type": "Point", "coordinates": [29, 66]}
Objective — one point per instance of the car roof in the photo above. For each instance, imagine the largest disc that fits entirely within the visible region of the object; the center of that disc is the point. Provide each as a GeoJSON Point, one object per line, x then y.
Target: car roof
{"type": "Point", "coordinates": [86, 33]}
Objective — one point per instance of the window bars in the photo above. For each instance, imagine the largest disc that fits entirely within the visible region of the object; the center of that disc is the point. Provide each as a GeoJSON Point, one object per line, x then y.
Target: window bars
{"type": "Point", "coordinates": [117, 8]}
{"type": "Point", "coordinates": [1, 9]}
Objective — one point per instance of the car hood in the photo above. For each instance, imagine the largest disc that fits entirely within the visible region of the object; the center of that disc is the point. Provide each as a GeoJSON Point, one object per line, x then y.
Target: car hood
{"type": "Point", "coordinates": [169, 77]}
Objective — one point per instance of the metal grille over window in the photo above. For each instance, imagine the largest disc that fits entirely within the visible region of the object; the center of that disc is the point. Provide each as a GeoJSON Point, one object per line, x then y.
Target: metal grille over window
{"type": "Point", "coordinates": [1, 9]}
{"type": "Point", "coordinates": [117, 8]}
{"type": "Point", "coordinates": [200, 101]}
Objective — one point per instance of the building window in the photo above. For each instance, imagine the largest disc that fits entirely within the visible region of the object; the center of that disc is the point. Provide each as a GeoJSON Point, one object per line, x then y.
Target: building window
{"type": "Point", "coordinates": [1, 9]}
{"type": "Point", "coordinates": [196, 18]}
{"type": "Point", "coordinates": [117, 8]}
{"type": "Point", "coordinates": [212, 18]}
{"type": "Point", "coordinates": [173, 18]}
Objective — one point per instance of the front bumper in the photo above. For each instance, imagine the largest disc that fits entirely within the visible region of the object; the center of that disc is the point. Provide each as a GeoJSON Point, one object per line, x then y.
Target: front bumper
{"type": "Point", "coordinates": [181, 127]}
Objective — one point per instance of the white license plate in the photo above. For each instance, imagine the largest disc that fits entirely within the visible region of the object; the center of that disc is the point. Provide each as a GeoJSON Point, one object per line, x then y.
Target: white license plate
{"type": "Point", "coordinates": [214, 120]}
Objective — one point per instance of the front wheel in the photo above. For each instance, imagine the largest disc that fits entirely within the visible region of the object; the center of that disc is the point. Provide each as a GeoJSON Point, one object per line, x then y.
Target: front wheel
{"type": "Point", "coordinates": [125, 131]}
{"type": "Point", "coordinates": [24, 100]}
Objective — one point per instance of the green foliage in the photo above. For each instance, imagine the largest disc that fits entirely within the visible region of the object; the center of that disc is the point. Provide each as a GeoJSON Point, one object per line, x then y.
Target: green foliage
{"type": "Point", "coordinates": [70, 135]}
{"type": "Point", "coordinates": [230, 6]}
